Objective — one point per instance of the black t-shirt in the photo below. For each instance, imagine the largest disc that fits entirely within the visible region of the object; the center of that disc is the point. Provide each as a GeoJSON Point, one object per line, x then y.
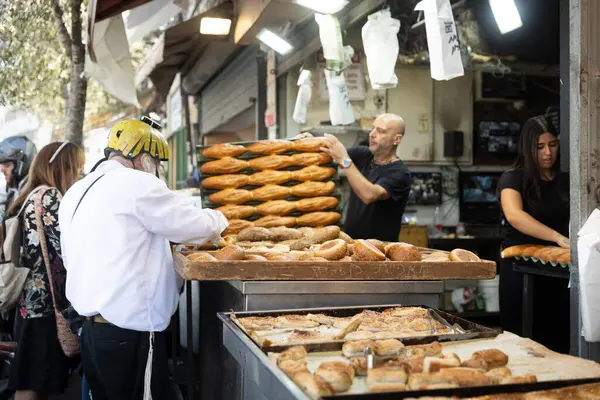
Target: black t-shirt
{"type": "Point", "coordinates": [380, 219]}
{"type": "Point", "coordinates": [551, 210]}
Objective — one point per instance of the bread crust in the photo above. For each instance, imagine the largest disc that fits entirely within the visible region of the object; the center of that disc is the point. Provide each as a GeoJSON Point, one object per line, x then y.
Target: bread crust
{"type": "Point", "coordinates": [269, 177]}
{"type": "Point", "coordinates": [222, 150]}
{"type": "Point", "coordinates": [320, 203]}
{"type": "Point", "coordinates": [231, 196]}
{"type": "Point", "coordinates": [226, 165]}
{"type": "Point", "coordinates": [277, 207]}
{"type": "Point", "coordinates": [235, 211]}
{"type": "Point", "coordinates": [313, 173]}
{"type": "Point", "coordinates": [270, 192]}
{"type": "Point", "coordinates": [270, 146]}
{"type": "Point", "coordinates": [270, 162]}
{"type": "Point", "coordinates": [307, 159]}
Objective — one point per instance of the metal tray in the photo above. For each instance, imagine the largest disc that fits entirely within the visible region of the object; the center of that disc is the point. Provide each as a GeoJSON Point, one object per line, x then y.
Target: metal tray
{"type": "Point", "coordinates": [277, 385]}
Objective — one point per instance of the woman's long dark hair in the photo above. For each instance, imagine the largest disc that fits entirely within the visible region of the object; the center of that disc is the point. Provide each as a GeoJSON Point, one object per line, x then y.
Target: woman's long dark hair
{"type": "Point", "coordinates": [527, 158]}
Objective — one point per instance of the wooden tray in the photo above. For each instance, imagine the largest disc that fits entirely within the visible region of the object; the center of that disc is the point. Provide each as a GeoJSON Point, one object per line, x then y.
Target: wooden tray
{"type": "Point", "coordinates": [329, 271]}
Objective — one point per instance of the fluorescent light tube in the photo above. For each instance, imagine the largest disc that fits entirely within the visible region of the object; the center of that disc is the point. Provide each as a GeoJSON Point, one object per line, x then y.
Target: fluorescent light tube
{"type": "Point", "coordinates": [506, 15]}
{"type": "Point", "coordinates": [215, 26]}
{"type": "Point", "coordinates": [275, 42]}
{"type": "Point", "coordinates": [324, 6]}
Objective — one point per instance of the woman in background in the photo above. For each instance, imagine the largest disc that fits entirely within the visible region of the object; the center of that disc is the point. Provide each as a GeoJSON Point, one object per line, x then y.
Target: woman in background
{"type": "Point", "coordinates": [40, 367]}
{"type": "Point", "coordinates": [535, 202]}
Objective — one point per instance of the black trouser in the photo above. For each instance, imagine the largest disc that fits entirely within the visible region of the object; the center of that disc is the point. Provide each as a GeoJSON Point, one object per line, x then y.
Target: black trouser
{"type": "Point", "coordinates": [114, 362]}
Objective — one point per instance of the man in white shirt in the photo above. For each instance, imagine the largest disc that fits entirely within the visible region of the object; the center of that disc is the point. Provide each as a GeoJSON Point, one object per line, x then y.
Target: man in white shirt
{"type": "Point", "coordinates": [116, 225]}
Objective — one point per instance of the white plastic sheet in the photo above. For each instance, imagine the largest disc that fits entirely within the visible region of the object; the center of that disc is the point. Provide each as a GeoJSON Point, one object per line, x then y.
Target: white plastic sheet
{"type": "Point", "coordinates": [303, 98]}
{"type": "Point", "coordinates": [442, 39]}
{"type": "Point", "coordinates": [330, 34]}
{"type": "Point", "coordinates": [380, 41]}
{"type": "Point", "coordinates": [588, 247]}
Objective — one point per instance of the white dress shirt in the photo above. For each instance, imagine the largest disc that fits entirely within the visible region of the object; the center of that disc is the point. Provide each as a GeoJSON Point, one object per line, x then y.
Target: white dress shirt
{"type": "Point", "coordinates": [116, 247]}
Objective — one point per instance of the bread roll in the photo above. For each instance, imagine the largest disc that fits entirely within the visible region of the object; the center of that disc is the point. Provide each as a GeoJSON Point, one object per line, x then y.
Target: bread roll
{"type": "Point", "coordinates": [280, 234]}
{"type": "Point", "coordinates": [225, 181]}
{"type": "Point", "coordinates": [421, 381]}
{"type": "Point", "coordinates": [270, 192]}
{"type": "Point", "coordinates": [293, 367]}
{"type": "Point", "coordinates": [365, 251]}
{"type": "Point", "coordinates": [313, 189]}
{"type": "Point", "coordinates": [388, 347]}
{"type": "Point", "coordinates": [315, 386]}
{"type": "Point", "coordinates": [377, 243]}
{"type": "Point", "coordinates": [235, 226]}
{"type": "Point", "coordinates": [332, 250]}
{"type": "Point", "coordinates": [306, 159]}
{"type": "Point", "coordinates": [232, 211]}
{"type": "Point", "coordinates": [272, 221]}
{"type": "Point", "coordinates": [222, 150]}
{"type": "Point", "coordinates": [460, 255]}
{"type": "Point", "coordinates": [201, 256]}
{"type": "Point", "coordinates": [356, 348]}
{"type": "Point", "coordinates": [337, 374]}
{"type": "Point", "coordinates": [270, 146]}
{"type": "Point", "coordinates": [493, 357]}
{"type": "Point", "coordinates": [466, 377]}
{"type": "Point", "coordinates": [231, 196]}
{"type": "Point", "coordinates": [402, 252]}
{"type": "Point", "coordinates": [229, 253]}
{"type": "Point", "coordinates": [225, 165]}
{"type": "Point", "coordinates": [320, 203]}
{"type": "Point", "coordinates": [498, 374]}
{"type": "Point", "coordinates": [255, 257]}
{"type": "Point", "coordinates": [309, 145]}
{"type": "Point", "coordinates": [254, 234]}
{"type": "Point", "coordinates": [321, 235]}
{"type": "Point", "coordinates": [271, 162]}
{"type": "Point", "coordinates": [321, 218]}
{"type": "Point", "coordinates": [313, 173]}
{"type": "Point", "coordinates": [276, 207]}
{"type": "Point", "coordinates": [269, 177]}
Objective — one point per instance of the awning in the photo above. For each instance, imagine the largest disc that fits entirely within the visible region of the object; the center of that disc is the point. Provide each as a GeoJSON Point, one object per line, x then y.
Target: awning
{"type": "Point", "coordinates": [104, 9]}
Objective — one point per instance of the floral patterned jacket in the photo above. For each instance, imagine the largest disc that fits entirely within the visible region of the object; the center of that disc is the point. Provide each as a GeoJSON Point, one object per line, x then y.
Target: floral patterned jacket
{"type": "Point", "coordinates": [36, 300]}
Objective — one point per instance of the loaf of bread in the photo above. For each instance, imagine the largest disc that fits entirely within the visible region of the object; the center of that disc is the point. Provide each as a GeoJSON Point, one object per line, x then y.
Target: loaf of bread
{"type": "Point", "coordinates": [271, 162]}
{"type": "Point", "coordinates": [307, 159]}
{"type": "Point", "coordinates": [225, 165]}
{"type": "Point", "coordinates": [270, 146]}
{"type": "Point", "coordinates": [270, 177]}
{"type": "Point", "coordinates": [309, 145]}
{"type": "Point", "coordinates": [224, 150]}
{"type": "Point", "coordinates": [277, 207]}
{"type": "Point", "coordinates": [313, 189]}
{"type": "Point", "coordinates": [402, 252]}
{"type": "Point", "coordinates": [549, 253]}
{"type": "Point", "coordinates": [232, 211]}
{"type": "Point", "coordinates": [272, 221]}
{"type": "Point", "coordinates": [236, 226]}
{"type": "Point", "coordinates": [320, 218]}
{"type": "Point", "coordinates": [313, 173]}
{"type": "Point", "coordinates": [270, 192]}
{"type": "Point", "coordinates": [231, 196]}
{"type": "Point", "coordinates": [225, 181]}
{"type": "Point", "coordinates": [317, 204]}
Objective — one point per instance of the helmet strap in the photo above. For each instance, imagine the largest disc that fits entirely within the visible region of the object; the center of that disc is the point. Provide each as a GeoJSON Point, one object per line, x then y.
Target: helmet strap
{"type": "Point", "coordinates": [98, 163]}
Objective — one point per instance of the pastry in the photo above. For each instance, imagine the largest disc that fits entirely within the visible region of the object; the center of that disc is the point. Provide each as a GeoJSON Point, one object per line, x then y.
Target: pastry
{"type": "Point", "coordinates": [313, 189]}
{"type": "Point", "coordinates": [337, 374]}
{"type": "Point", "coordinates": [222, 150]}
{"type": "Point", "coordinates": [313, 173]}
{"type": "Point", "coordinates": [254, 234]}
{"type": "Point", "coordinates": [293, 367]}
{"type": "Point", "coordinates": [231, 196]}
{"type": "Point", "coordinates": [332, 250]}
{"type": "Point", "coordinates": [365, 251]}
{"type": "Point", "coordinates": [233, 211]}
{"type": "Point", "coordinates": [402, 252]}
{"type": "Point", "coordinates": [308, 145]}
{"type": "Point", "coordinates": [377, 243]}
{"type": "Point", "coordinates": [493, 357]}
{"type": "Point", "coordinates": [434, 364]}
{"type": "Point", "coordinates": [294, 321]}
{"type": "Point", "coordinates": [461, 255]}
{"type": "Point", "coordinates": [272, 221]}
{"type": "Point", "coordinates": [277, 207]}
{"type": "Point", "coordinates": [387, 378]}
{"type": "Point", "coordinates": [225, 165]}
{"type": "Point", "coordinates": [313, 385]}
{"type": "Point", "coordinates": [270, 192]}
{"type": "Point", "coordinates": [269, 177]}
{"type": "Point", "coordinates": [271, 162]}
{"type": "Point", "coordinates": [319, 218]}
{"type": "Point", "coordinates": [236, 225]}
{"type": "Point", "coordinates": [388, 348]}
{"type": "Point", "coordinates": [352, 326]}
{"type": "Point", "coordinates": [307, 159]}
{"type": "Point", "coordinates": [405, 311]}
{"type": "Point", "coordinates": [466, 377]}
{"type": "Point", "coordinates": [433, 349]}
{"type": "Point", "coordinates": [338, 322]}
{"type": "Point", "coordinates": [421, 381]}
{"type": "Point", "coordinates": [317, 204]}
{"type": "Point", "coordinates": [345, 237]}
{"type": "Point", "coordinates": [225, 181]}
{"type": "Point", "coordinates": [356, 348]}
{"type": "Point", "coordinates": [201, 257]}
{"type": "Point", "coordinates": [255, 257]}
{"type": "Point", "coordinates": [497, 375]}
{"type": "Point", "coordinates": [229, 253]}
{"type": "Point", "coordinates": [280, 234]}
{"type": "Point", "coordinates": [270, 146]}
{"type": "Point", "coordinates": [321, 235]}
{"type": "Point", "coordinates": [476, 363]}
{"type": "Point", "coordinates": [257, 323]}
{"type": "Point", "coordinates": [293, 353]}
{"type": "Point", "coordinates": [519, 379]}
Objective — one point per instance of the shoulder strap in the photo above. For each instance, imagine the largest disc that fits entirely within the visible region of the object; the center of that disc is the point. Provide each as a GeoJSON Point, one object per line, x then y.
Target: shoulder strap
{"type": "Point", "coordinates": [84, 193]}
{"type": "Point", "coordinates": [33, 192]}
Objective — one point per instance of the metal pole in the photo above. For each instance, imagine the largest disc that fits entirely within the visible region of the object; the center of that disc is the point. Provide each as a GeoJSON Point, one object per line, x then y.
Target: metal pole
{"type": "Point", "coordinates": [188, 125]}
{"type": "Point", "coordinates": [261, 96]}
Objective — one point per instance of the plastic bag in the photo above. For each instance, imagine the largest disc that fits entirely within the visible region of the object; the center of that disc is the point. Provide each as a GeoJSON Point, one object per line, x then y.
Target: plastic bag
{"type": "Point", "coordinates": [588, 247]}
{"type": "Point", "coordinates": [442, 39]}
{"type": "Point", "coordinates": [380, 41]}
{"type": "Point", "coordinates": [331, 40]}
{"type": "Point", "coordinates": [303, 98]}
{"type": "Point", "coordinates": [340, 109]}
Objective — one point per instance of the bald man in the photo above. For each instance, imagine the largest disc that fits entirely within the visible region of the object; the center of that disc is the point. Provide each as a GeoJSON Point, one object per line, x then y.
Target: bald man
{"type": "Point", "coordinates": [379, 179]}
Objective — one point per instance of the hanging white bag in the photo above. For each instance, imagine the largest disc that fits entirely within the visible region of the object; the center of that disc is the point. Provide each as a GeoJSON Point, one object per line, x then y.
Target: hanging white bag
{"type": "Point", "coordinates": [380, 42]}
{"type": "Point", "coordinates": [330, 34]}
{"type": "Point", "coordinates": [303, 98]}
{"type": "Point", "coordinates": [442, 39]}
{"type": "Point", "coordinates": [588, 249]}
{"type": "Point", "coordinates": [340, 109]}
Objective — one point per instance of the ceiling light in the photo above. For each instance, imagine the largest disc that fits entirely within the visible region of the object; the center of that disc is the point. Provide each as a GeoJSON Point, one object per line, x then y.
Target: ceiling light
{"type": "Point", "coordinates": [274, 41]}
{"type": "Point", "coordinates": [324, 6]}
{"type": "Point", "coordinates": [215, 26]}
{"type": "Point", "coordinates": [506, 15]}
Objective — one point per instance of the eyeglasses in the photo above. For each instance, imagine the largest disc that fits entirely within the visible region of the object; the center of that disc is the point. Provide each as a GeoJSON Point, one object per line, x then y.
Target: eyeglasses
{"type": "Point", "coordinates": [62, 146]}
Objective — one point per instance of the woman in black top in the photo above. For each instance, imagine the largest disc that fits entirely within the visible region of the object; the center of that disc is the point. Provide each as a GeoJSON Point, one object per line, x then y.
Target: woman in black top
{"type": "Point", "coordinates": [535, 202]}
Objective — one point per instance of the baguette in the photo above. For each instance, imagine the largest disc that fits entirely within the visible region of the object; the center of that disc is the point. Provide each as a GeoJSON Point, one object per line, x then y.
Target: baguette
{"type": "Point", "coordinates": [309, 145]}
{"type": "Point", "coordinates": [226, 165]}
{"type": "Point", "coordinates": [272, 221]}
{"type": "Point", "coordinates": [313, 189]}
{"type": "Point", "coordinates": [270, 192]}
{"type": "Point", "coordinates": [313, 173]}
{"type": "Point", "coordinates": [564, 258]}
{"type": "Point", "coordinates": [319, 218]}
{"type": "Point", "coordinates": [232, 211]}
{"type": "Point", "coordinates": [231, 196]}
{"type": "Point", "coordinates": [307, 159]}
{"type": "Point", "coordinates": [236, 226]}
{"type": "Point", "coordinates": [277, 207]}
{"type": "Point", "coordinates": [519, 251]}
{"type": "Point", "coordinates": [269, 177]}
{"type": "Point", "coordinates": [225, 181]}
{"type": "Point", "coordinates": [222, 150]}
{"type": "Point", "coordinates": [271, 146]}
{"type": "Point", "coordinates": [320, 203]}
{"type": "Point", "coordinates": [271, 162]}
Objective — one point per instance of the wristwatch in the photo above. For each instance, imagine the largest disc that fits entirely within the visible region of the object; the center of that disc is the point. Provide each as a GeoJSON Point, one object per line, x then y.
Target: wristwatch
{"type": "Point", "coordinates": [346, 163]}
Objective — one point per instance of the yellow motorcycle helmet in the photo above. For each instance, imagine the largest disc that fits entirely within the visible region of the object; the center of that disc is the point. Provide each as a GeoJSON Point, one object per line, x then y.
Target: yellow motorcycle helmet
{"type": "Point", "coordinates": [131, 138]}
